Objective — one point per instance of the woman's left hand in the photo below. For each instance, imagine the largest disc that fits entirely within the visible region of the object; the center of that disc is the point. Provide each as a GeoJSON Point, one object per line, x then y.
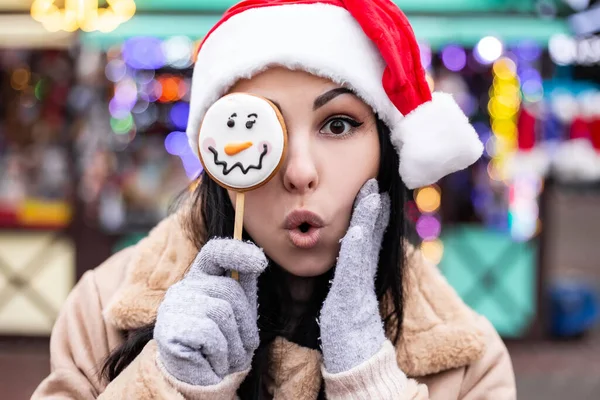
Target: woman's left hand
{"type": "Point", "coordinates": [351, 327]}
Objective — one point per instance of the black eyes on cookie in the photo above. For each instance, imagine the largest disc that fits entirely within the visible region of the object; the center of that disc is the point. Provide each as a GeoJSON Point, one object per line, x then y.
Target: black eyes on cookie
{"type": "Point", "coordinates": [249, 124]}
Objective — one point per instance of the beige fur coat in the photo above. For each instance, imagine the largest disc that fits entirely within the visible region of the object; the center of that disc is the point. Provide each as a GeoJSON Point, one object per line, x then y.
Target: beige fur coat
{"type": "Point", "coordinates": [447, 350]}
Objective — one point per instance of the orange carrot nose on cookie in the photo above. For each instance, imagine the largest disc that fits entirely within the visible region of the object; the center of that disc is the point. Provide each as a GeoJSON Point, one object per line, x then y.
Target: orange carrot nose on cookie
{"type": "Point", "coordinates": [232, 149]}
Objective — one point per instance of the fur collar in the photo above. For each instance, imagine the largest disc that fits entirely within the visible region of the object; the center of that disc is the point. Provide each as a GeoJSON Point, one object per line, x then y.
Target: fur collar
{"type": "Point", "coordinates": [439, 333]}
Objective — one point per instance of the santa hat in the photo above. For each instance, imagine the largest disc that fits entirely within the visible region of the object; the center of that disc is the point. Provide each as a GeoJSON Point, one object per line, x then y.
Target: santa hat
{"type": "Point", "coordinates": [368, 46]}
{"type": "Point", "coordinates": [530, 158]}
{"type": "Point", "coordinates": [576, 159]}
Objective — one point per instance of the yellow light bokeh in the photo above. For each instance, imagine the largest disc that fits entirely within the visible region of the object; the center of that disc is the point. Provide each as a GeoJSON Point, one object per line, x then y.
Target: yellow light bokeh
{"type": "Point", "coordinates": [493, 172]}
{"type": "Point", "coordinates": [20, 78]}
{"type": "Point", "coordinates": [505, 68]}
{"type": "Point", "coordinates": [433, 250]}
{"type": "Point", "coordinates": [428, 199]}
{"type": "Point", "coordinates": [430, 81]}
{"type": "Point", "coordinates": [504, 127]}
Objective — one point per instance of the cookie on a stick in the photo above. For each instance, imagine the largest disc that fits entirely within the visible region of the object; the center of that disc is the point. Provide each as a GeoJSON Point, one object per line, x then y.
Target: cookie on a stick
{"type": "Point", "coordinates": [242, 143]}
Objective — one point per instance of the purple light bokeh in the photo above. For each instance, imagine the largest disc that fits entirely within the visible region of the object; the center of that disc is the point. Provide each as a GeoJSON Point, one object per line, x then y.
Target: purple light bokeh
{"type": "Point", "coordinates": [425, 51]}
{"type": "Point", "coordinates": [191, 164]}
{"type": "Point", "coordinates": [454, 58]}
{"type": "Point", "coordinates": [528, 50]}
{"type": "Point", "coordinates": [126, 95]}
{"type": "Point", "coordinates": [428, 227]}
{"type": "Point", "coordinates": [117, 110]}
{"type": "Point", "coordinates": [143, 52]}
{"type": "Point", "coordinates": [176, 143]}
{"type": "Point", "coordinates": [179, 115]}
{"type": "Point", "coordinates": [529, 74]}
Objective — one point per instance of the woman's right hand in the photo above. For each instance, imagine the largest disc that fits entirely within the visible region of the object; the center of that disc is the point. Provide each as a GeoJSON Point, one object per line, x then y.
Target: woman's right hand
{"type": "Point", "coordinates": [206, 325]}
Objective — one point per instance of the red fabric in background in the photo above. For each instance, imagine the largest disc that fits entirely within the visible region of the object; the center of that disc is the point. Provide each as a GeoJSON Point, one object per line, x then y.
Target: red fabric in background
{"type": "Point", "coordinates": [526, 125]}
{"type": "Point", "coordinates": [579, 129]}
{"type": "Point", "coordinates": [594, 128]}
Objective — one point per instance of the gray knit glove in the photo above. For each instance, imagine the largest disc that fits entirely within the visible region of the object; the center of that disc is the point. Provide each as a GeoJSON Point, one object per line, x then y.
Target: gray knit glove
{"type": "Point", "coordinates": [351, 326]}
{"type": "Point", "coordinates": [206, 325]}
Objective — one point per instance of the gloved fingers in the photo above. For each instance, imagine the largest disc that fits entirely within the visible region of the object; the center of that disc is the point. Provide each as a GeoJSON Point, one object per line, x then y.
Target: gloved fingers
{"type": "Point", "coordinates": [220, 255]}
{"type": "Point", "coordinates": [354, 270]}
{"type": "Point", "coordinates": [383, 220]}
{"type": "Point", "coordinates": [190, 339]}
{"type": "Point", "coordinates": [370, 187]}
{"type": "Point", "coordinates": [365, 213]}
{"type": "Point", "coordinates": [221, 312]}
{"type": "Point", "coordinates": [249, 284]}
{"type": "Point", "coordinates": [229, 290]}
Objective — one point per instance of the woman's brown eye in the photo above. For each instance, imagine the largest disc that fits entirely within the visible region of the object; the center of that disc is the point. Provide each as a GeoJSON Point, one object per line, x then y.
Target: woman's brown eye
{"type": "Point", "coordinates": [337, 127]}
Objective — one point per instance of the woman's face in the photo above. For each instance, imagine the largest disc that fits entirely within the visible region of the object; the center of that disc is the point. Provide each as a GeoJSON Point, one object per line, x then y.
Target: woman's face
{"type": "Point", "coordinates": [300, 215]}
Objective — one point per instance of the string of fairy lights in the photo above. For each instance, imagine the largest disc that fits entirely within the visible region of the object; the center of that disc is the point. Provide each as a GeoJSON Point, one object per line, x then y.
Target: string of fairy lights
{"type": "Point", "coordinates": [82, 14]}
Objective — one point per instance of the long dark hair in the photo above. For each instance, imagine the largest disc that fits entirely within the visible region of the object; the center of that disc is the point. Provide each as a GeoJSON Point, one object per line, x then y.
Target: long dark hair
{"type": "Point", "coordinates": [217, 216]}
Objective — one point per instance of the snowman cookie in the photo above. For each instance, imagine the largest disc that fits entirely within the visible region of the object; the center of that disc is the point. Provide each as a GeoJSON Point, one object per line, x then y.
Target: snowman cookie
{"type": "Point", "coordinates": [242, 141]}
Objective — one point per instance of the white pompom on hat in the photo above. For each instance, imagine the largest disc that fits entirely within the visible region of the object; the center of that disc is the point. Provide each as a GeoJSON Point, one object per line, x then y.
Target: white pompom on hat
{"type": "Point", "coordinates": [367, 46]}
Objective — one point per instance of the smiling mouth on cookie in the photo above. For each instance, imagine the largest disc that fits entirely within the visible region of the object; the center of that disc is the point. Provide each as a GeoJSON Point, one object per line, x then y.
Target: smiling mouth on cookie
{"type": "Point", "coordinates": [245, 170]}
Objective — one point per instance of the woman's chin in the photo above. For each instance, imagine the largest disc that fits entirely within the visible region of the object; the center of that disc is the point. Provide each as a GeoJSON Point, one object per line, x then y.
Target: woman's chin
{"type": "Point", "coordinates": [308, 265]}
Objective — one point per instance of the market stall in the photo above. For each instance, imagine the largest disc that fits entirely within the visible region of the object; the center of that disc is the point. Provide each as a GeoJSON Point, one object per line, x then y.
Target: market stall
{"type": "Point", "coordinates": [37, 253]}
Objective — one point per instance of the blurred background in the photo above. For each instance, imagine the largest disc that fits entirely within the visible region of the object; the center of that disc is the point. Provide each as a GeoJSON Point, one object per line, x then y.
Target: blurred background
{"type": "Point", "coordinates": [92, 151]}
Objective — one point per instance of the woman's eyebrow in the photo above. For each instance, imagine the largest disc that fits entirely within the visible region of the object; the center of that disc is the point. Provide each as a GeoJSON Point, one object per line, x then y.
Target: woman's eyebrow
{"type": "Point", "coordinates": [330, 95]}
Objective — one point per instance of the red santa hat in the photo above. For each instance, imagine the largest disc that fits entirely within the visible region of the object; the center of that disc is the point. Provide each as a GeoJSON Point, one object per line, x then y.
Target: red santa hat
{"type": "Point", "coordinates": [368, 46]}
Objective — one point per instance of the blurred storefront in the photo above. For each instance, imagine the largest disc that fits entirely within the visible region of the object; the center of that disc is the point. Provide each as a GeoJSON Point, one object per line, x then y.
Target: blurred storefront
{"type": "Point", "coordinates": [37, 253]}
{"type": "Point", "coordinates": [514, 66]}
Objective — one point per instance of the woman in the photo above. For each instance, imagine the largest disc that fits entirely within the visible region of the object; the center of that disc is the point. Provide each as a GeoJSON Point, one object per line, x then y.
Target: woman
{"type": "Point", "coordinates": [332, 301]}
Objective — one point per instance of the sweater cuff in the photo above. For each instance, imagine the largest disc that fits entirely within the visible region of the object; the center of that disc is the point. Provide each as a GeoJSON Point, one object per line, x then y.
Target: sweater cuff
{"type": "Point", "coordinates": [377, 378]}
{"type": "Point", "coordinates": [224, 390]}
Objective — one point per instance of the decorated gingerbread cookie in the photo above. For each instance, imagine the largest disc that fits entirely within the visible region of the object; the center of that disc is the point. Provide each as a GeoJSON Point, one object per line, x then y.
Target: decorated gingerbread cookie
{"type": "Point", "coordinates": [242, 141]}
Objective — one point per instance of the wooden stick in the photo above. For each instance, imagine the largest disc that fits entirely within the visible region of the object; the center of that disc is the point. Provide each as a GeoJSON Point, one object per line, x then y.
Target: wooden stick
{"type": "Point", "coordinates": [239, 223]}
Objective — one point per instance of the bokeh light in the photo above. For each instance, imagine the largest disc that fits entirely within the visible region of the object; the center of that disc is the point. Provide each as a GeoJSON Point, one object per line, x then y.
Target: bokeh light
{"type": "Point", "coordinates": [143, 52]}
{"type": "Point", "coordinates": [176, 143]}
{"type": "Point", "coordinates": [504, 68]}
{"type": "Point", "coordinates": [115, 70]}
{"type": "Point", "coordinates": [425, 51]}
{"type": "Point", "coordinates": [178, 51]}
{"type": "Point", "coordinates": [562, 49]}
{"type": "Point", "coordinates": [428, 199]}
{"type": "Point", "coordinates": [179, 115]}
{"type": "Point", "coordinates": [488, 50]}
{"type": "Point", "coordinates": [454, 58]}
{"type": "Point", "coordinates": [428, 227]}
{"type": "Point", "coordinates": [430, 81]}
{"type": "Point", "coordinates": [528, 50]}
{"type": "Point", "coordinates": [432, 250]}
{"type": "Point", "coordinates": [20, 78]}
{"type": "Point", "coordinates": [123, 125]}
{"type": "Point", "coordinates": [170, 88]}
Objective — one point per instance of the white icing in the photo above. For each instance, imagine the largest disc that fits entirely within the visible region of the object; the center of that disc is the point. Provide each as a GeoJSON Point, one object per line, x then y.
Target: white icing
{"type": "Point", "coordinates": [215, 133]}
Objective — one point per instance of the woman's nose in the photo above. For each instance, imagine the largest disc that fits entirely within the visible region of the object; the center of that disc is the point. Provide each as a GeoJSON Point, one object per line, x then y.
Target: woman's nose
{"type": "Point", "coordinates": [300, 172]}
